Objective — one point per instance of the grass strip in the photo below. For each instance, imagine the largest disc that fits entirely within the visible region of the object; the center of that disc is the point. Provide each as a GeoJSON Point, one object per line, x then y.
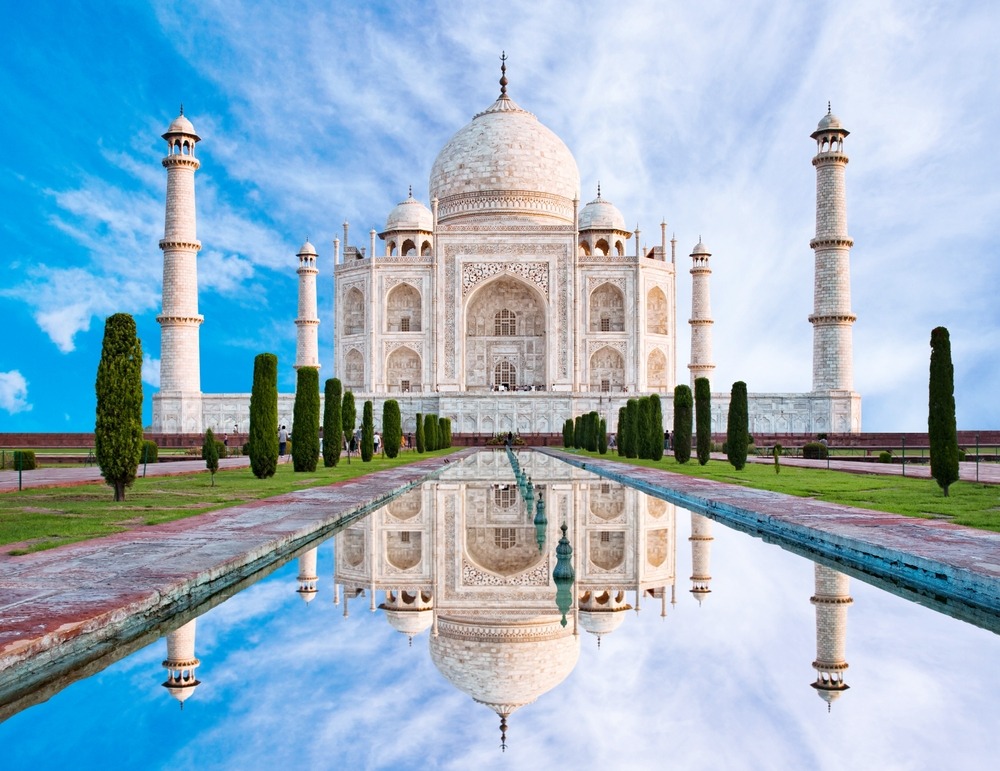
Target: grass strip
{"type": "Point", "coordinates": [42, 518]}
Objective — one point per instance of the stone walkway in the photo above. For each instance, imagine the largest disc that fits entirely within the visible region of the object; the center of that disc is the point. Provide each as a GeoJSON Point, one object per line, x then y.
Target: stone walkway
{"type": "Point", "coordinates": [987, 473]}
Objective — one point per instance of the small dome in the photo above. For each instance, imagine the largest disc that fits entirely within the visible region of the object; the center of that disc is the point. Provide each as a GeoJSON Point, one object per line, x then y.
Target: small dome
{"type": "Point", "coordinates": [601, 214]}
{"type": "Point", "coordinates": [602, 622]}
{"type": "Point", "coordinates": [410, 622]}
{"type": "Point", "coordinates": [306, 249]}
{"type": "Point", "coordinates": [410, 215]}
{"type": "Point", "coordinates": [307, 595]}
{"type": "Point", "coordinates": [701, 249]}
{"type": "Point", "coordinates": [829, 121]}
{"type": "Point", "coordinates": [181, 125]}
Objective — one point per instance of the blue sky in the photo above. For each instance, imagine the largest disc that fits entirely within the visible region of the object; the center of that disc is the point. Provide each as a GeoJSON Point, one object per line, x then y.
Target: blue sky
{"type": "Point", "coordinates": [318, 113]}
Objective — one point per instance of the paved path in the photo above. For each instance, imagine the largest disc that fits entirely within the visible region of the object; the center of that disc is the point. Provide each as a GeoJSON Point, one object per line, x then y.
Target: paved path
{"type": "Point", "coordinates": [987, 473]}
{"type": "Point", "coordinates": [68, 476]}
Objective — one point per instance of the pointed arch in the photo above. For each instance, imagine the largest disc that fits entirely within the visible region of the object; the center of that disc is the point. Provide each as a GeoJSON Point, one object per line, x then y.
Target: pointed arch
{"type": "Point", "coordinates": [607, 309]}
{"type": "Point", "coordinates": [607, 370]}
{"type": "Point", "coordinates": [656, 370]}
{"type": "Point", "coordinates": [403, 309]}
{"type": "Point", "coordinates": [354, 369]}
{"type": "Point", "coordinates": [657, 312]}
{"type": "Point", "coordinates": [354, 312]}
{"type": "Point", "coordinates": [403, 370]}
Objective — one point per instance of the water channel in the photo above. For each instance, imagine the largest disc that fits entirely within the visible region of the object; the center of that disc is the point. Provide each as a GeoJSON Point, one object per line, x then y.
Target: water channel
{"type": "Point", "coordinates": [429, 634]}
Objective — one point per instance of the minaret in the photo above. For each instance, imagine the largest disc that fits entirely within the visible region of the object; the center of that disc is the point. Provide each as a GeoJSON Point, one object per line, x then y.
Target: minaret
{"type": "Point", "coordinates": [307, 577]}
{"type": "Point", "coordinates": [179, 398]}
{"type": "Point", "coordinates": [307, 324]}
{"type": "Point", "coordinates": [701, 315]}
{"type": "Point", "coordinates": [181, 663]}
{"type": "Point", "coordinates": [832, 599]}
{"type": "Point", "coordinates": [701, 556]}
{"type": "Point", "coordinates": [832, 319]}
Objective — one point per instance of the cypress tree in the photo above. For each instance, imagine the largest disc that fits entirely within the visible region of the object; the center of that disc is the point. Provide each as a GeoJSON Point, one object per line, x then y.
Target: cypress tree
{"type": "Point", "coordinates": [305, 420]}
{"type": "Point", "coordinates": [420, 433]}
{"type": "Point", "coordinates": [738, 426]}
{"type": "Point", "coordinates": [682, 423]}
{"type": "Point", "coordinates": [442, 434]}
{"type": "Point", "coordinates": [622, 421]}
{"type": "Point", "coordinates": [644, 447]}
{"type": "Point", "coordinates": [118, 425]}
{"type": "Point", "coordinates": [602, 437]}
{"type": "Point", "coordinates": [942, 430]}
{"type": "Point", "coordinates": [392, 427]}
{"type": "Point", "coordinates": [656, 428]}
{"type": "Point", "coordinates": [263, 439]}
{"type": "Point", "coordinates": [367, 432]}
{"type": "Point", "coordinates": [568, 433]}
{"type": "Point", "coordinates": [333, 428]}
{"type": "Point", "coordinates": [578, 440]}
{"type": "Point", "coordinates": [430, 432]}
{"type": "Point", "coordinates": [631, 428]}
{"type": "Point", "coordinates": [593, 428]}
{"type": "Point", "coordinates": [348, 417]}
{"type": "Point", "coordinates": [210, 452]}
{"type": "Point", "coordinates": [703, 418]}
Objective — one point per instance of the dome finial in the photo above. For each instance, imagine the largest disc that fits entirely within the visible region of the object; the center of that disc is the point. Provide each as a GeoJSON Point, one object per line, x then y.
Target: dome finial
{"type": "Point", "coordinates": [503, 733]}
{"type": "Point", "coordinates": [411, 191]}
{"type": "Point", "coordinates": [503, 74]}
{"type": "Point", "coordinates": [598, 188]}
{"type": "Point", "coordinates": [829, 108]}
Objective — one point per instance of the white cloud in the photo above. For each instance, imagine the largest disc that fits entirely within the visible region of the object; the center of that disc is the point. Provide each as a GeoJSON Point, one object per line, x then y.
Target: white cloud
{"type": "Point", "coordinates": [13, 392]}
{"type": "Point", "coordinates": [150, 370]}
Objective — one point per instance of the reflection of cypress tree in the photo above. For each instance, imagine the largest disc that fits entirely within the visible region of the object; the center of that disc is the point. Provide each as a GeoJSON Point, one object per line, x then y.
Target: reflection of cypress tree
{"type": "Point", "coordinates": [568, 433]}
{"type": "Point", "coordinates": [563, 574]}
{"type": "Point", "coordinates": [941, 426]}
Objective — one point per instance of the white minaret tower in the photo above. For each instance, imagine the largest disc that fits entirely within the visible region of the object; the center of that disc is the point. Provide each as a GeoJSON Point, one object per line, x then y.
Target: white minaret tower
{"type": "Point", "coordinates": [307, 324]}
{"type": "Point", "coordinates": [181, 663]}
{"type": "Point", "coordinates": [832, 599]}
{"type": "Point", "coordinates": [307, 577]}
{"type": "Point", "coordinates": [701, 315]}
{"type": "Point", "coordinates": [832, 320]}
{"type": "Point", "coordinates": [177, 406]}
{"type": "Point", "coordinates": [701, 556]}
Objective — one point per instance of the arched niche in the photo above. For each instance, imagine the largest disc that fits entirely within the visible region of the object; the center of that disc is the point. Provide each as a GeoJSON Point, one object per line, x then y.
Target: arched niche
{"type": "Point", "coordinates": [657, 322]}
{"type": "Point", "coordinates": [505, 323]}
{"type": "Point", "coordinates": [657, 547]}
{"type": "Point", "coordinates": [505, 550]}
{"type": "Point", "coordinates": [402, 370]}
{"type": "Point", "coordinates": [354, 370]}
{"type": "Point", "coordinates": [656, 369]}
{"type": "Point", "coordinates": [354, 312]}
{"type": "Point", "coordinates": [403, 549]}
{"type": "Point", "coordinates": [607, 501]}
{"type": "Point", "coordinates": [607, 309]}
{"type": "Point", "coordinates": [607, 370]}
{"type": "Point", "coordinates": [406, 506]}
{"type": "Point", "coordinates": [607, 549]}
{"type": "Point", "coordinates": [403, 309]}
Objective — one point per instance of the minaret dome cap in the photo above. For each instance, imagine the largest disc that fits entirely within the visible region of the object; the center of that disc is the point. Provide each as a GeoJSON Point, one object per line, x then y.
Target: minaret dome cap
{"type": "Point", "coordinates": [181, 125]}
{"type": "Point", "coordinates": [700, 248]}
{"type": "Point", "coordinates": [306, 249]}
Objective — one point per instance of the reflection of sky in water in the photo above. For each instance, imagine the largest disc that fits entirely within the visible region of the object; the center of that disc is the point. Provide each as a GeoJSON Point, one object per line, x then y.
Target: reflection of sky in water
{"type": "Point", "coordinates": [721, 685]}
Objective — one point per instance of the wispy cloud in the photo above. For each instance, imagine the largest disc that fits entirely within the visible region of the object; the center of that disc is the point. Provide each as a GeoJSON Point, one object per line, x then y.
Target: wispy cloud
{"type": "Point", "coordinates": [150, 370]}
{"type": "Point", "coordinates": [13, 392]}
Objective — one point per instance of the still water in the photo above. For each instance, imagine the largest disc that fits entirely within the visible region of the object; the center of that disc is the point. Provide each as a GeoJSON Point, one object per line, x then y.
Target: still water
{"type": "Point", "coordinates": [427, 635]}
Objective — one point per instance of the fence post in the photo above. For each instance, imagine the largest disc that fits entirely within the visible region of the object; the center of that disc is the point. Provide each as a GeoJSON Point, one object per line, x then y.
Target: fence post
{"type": "Point", "coordinates": [904, 455]}
{"type": "Point", "coordinates": [977, 456]}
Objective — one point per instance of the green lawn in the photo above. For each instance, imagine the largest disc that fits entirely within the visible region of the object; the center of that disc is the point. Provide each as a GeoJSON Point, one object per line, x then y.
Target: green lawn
{"type": "Point", "coordinates": [46, 517]}
{"type": "Point", "coordinates": [968, 503]}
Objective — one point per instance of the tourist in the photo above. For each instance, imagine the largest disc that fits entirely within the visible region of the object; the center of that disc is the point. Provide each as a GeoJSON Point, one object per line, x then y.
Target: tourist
{"type": "Point", "coordinates": [612, 444]}
{"type": "Point", "coordinates": [282, 441]}
{"type": "Point", "coordinates": [377, 439]}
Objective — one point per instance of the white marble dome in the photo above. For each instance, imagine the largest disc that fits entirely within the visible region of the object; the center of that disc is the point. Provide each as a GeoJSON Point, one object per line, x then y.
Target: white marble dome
{"type": "Point", "coordinates": [601, 214]}
{"type": "Point", "coordinates": [306, 249]}
{"type": "Point", "coordinates": [181, 125]}
{"type": "Point", "coordinates": [410, 215]}
{"type": "Point", "coordinates": [506, 163]}
{"type": "Point", "coordinates": [504, 665]}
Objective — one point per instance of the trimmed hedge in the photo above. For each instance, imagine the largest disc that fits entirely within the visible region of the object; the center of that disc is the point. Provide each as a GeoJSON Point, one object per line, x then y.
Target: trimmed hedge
{"type": "Point", "coordinates": [815, 451]}
{"type": "Point", "coordinates": [26, 459]}
{"type": "Point", "coordinates": [150, 452]}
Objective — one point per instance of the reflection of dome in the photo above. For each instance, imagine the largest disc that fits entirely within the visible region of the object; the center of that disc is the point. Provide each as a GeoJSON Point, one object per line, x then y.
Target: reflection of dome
{"type": "Point", "coordinates": [410, 622]}
{"type": "Point", "coordinates": [410, 215]}
{"type": "Point", "coordinates": [504, 665]}
{"type": "Point", "coordinates": [602, 613]}
{"type": "Point", "coordinates": [601, 214]}
{"type": "Point", "coordinates": [505, 162]}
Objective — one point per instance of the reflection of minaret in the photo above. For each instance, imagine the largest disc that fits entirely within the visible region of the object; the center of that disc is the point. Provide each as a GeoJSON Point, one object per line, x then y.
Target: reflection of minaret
{"type": "Point", "coordinates": [307, 577]}
{"type": "Point", "coordinates": [831, 600]}
{"type": "Point", "coordinates": [181, 663]}
{"type": "Point", "coordinates": [701, 553]}
{"type": "Point", "coordinates": [701, 315]}
{"type": "Point", "coordinates": [601, 612]}
{"type": "Point", "coordinates": [409, 612]}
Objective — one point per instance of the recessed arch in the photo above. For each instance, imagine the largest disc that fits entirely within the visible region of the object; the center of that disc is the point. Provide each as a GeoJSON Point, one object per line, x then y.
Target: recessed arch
{"type": "Point", "coordinates": [354, 312]}
{"type": "Point", "coordinates": [403, 309]}
{"type": "Point", "coordinates": [403, 370]}
{"type": "Point", "coordinates": [354, 369]}
{"type": "Point", "coordinates": [657, 309]}
{"type": "Point", "coordinates": [607, 309]}
{"type": "Point", "coordinates": [656, 369]}
{"type": "Point", "coordinates": [607, 370]}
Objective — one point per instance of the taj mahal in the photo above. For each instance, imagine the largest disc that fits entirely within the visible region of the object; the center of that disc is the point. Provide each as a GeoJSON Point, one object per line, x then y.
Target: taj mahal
{"type": "Point", "coordinates": [506, 304]}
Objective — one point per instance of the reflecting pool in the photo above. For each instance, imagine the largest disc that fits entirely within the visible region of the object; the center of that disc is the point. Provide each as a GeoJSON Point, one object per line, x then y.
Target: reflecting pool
{"type": "Point", "coordinates": [430, 635]}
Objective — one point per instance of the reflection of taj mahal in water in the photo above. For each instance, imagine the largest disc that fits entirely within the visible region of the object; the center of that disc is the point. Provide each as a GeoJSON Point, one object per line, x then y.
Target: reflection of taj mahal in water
{"type": "Point", "coordinates": [505, 304]}
{"type": "Point", "coordinates": [464, 560]}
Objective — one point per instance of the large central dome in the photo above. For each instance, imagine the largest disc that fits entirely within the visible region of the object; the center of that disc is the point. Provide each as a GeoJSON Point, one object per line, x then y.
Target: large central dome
{"type": "Point", "coordinates": [505, 163]}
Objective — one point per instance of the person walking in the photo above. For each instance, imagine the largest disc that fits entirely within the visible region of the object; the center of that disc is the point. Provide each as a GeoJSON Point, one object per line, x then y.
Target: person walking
{"type": "Point", "coordinates": [282, 441]}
